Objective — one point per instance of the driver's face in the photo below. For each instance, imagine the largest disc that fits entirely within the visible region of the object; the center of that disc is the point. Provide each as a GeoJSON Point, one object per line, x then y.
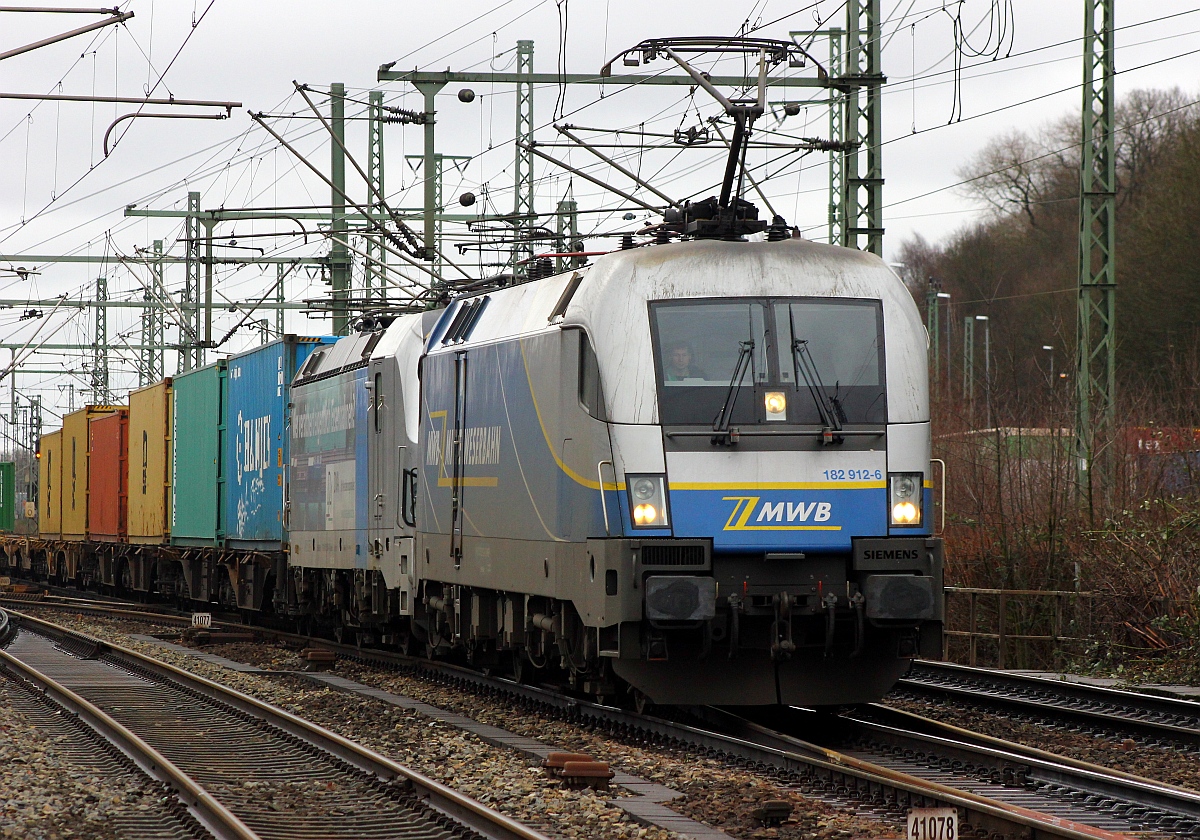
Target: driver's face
{"type": "Point", "coordinates": [681, 358]}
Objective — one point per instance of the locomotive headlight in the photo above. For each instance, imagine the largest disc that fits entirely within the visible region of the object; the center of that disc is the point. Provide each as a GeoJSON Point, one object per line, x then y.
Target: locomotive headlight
{"type": "Point", "coordinates": [644, 489]}
{"type": "Point", "coordinates": [648, 501]}
{"type": "Point", "coordinates": [905, 499]}
{"type": "Point", "coordinates": [645, 515]}
{"type": "Point", "coordinates": [775, 403]}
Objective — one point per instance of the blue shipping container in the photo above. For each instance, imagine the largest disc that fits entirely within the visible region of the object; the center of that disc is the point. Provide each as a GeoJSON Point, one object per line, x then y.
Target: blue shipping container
{"type": "Point", "coordinates": [257, 440]}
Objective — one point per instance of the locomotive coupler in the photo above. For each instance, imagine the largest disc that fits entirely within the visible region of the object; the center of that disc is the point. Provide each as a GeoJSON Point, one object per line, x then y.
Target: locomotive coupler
{"type": "Point", "coordinates": [830, 604]}
{"type": "Point", "coordinates": [860, 631]}
{"type": "Point", "coordinates": [782, 646]}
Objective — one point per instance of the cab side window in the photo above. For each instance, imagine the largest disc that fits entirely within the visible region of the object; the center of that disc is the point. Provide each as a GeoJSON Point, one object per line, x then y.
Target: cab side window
{"type": "Point", "coordinates": [591, 396]}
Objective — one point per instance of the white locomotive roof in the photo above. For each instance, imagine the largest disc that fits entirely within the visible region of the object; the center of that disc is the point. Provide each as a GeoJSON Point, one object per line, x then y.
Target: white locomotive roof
{"type": "Point", "coordinates": [611, 304]}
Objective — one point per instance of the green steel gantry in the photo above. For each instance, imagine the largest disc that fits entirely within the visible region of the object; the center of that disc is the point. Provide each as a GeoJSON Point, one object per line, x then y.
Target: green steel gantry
{"type": "Point", "coordinates": [524, 218]}
{"type": "Point", "coordinates": [1096, 381]}
{"type": "Point", "coordinates": [339, 254]}
{"type": "Point", "coordinates": [374, 280]}
{"type": "Point", "coordinates": [862, 188]}
{"type": "Point", "coordinates": [150, 368]}
{"type": "Point", "coordinates": [99, 353]}
{"type": "Point", "coordinates": [856, 173]}
{"type": "Point", "coordinates": [189, 352]}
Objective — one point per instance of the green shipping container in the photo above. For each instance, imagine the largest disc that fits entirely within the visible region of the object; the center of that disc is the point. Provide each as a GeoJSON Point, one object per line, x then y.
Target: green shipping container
{"type": "Point", "coordinates": [198, 438]}
{"type": "Point", "coordinates": [8, 497]}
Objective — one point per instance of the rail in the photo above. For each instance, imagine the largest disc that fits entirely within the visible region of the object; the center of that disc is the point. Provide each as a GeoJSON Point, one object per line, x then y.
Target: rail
{"type": "Point", "coordinates": [215, 816]}
{"type": "Point", "coordinates": [745, 742]}
{"type": "Point", "coordinates": [468, 812]}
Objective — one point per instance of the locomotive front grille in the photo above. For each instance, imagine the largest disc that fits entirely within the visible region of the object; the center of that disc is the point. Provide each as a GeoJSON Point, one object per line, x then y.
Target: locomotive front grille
{"type": "Point", "coordinates": [672, 554]}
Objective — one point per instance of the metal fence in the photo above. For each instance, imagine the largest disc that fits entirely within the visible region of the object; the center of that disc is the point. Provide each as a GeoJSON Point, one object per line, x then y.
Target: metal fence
{"type": "Point", "coordinates": [1017, 628]}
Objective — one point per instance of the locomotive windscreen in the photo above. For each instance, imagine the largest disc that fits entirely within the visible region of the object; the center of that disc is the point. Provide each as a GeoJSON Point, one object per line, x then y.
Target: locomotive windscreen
{"type": "Point", "coordinates": [701, 346]}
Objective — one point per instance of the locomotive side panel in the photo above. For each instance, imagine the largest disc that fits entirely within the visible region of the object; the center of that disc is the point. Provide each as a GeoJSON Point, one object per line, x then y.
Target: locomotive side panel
{"type": "Point", "coordinates": [327, 489]}
{"type": "Point", "coordinates": [509, 479]}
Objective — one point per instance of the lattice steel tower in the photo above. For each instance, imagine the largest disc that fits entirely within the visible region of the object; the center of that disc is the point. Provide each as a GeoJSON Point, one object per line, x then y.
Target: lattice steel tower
{"type": "Point", "coordinates": [1095, 380]}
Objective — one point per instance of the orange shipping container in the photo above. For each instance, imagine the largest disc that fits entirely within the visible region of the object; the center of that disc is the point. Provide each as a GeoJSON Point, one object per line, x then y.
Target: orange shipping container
{"type": "Point", "coordinates": [108, 476]}
{"type": "Point", "coordinates": [75, 470]}
{"type": "Point", "coordinates": [50, 486]}
{"type": "Point", "coordinates": [150, 464]}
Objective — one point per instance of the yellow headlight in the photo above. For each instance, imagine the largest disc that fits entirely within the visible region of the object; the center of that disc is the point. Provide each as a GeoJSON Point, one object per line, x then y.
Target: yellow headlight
{"type": "Point", "coordinates": [775, 403]}
{"type": "Point", "coordinates": [645, 514]}
{"type": "Point", "coordinates": [905, 513]}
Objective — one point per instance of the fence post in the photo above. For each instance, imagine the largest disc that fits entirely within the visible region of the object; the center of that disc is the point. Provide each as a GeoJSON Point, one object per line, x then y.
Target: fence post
{"type": "Point", "coordinates": [1059, 610]}
{"type": "Point", "coordinates": [1000, 629]}
{"type": "Point", "coordinates": [946, 591]}
{"type": "Point", "coordinates": [973, 638]}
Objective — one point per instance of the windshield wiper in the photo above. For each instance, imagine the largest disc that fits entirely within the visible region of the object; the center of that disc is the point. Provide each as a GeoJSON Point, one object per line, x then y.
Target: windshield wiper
{"type": "Point", "coordinates": [724, 436]}
{"type": "Point", "coordinates": [830, 409]}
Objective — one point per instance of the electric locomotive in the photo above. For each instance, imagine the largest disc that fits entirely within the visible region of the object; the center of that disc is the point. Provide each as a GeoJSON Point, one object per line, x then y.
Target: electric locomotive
{"type": "Point", "coordinates": [697, 472]}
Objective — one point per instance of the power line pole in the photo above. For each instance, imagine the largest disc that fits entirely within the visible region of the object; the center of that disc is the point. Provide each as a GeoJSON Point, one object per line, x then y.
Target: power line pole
{"type": "Point", "coordinates": [969, 366]}
{"type": "Point", "coordinates": [203, 346]}
{"type": "Point", "coordinates": [153, 338]}
{"type": "Point", "coordinates": [429, 89]}
{"type": "Point", "coordinates": [100, 344]}
{"type": "Point", "coordinates": [189, 330]}
{"type": "Point", "coordinates": [339, 254]}
{"type": "Point", "coordinates": [933, 323]}
{"type": "Point", "coordinates": [837, 131]}
{"type": "Point", "coordinates": [568, 232]}
{"type": "Point", "coordinates": [1095, 382]}
{"type": "Point", "coordinates": [375, 274]}
{"type": "Point", "coordinates": [863, 172]}
{"type": "Point", "coordinates": [280, 273]}
{"type": "Point", "coordinates": [524, 221]}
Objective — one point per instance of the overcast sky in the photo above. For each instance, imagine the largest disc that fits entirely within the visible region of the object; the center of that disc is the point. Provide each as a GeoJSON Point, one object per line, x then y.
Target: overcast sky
{"type": "Point", "coordinates": [60, 195]}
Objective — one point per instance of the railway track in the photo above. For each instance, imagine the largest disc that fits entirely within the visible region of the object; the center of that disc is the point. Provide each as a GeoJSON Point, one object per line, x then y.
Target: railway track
{"type": "Point", "coordinates": [990, 767]}
{"type": "Point", "coordinates": [1150, 718]}
{"type": "Point", "coordinates": [242, 768]}
{"type": "Point", "coordinates": [887, 760]}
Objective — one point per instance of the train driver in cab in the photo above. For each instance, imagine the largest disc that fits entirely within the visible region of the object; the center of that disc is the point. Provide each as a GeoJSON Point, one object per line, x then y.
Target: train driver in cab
{"type": "Point", "coordinates": [678, 364]}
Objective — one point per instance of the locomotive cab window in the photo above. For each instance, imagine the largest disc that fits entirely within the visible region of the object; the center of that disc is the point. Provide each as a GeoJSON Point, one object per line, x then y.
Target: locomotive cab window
{"type": "Point", "coordinates": [770, 356]}
{"type": "Point", "coordinates": [591, 396]}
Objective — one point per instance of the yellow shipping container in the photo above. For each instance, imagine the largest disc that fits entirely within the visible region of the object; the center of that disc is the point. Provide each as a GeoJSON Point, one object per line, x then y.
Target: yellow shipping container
{"type": "Point", "coordinates": [150, 464]}
{"type": "Point", "coordinates": [50, 485]}
{"type": "Point", "coordinates": [75, 441]}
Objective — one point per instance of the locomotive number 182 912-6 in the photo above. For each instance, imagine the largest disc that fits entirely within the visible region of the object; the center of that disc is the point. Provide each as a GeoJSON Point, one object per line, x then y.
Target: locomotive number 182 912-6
{"type": "Point", "coordinates": [853, 475]}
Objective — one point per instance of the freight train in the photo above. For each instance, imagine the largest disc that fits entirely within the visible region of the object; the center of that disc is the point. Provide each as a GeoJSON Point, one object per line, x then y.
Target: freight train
{"type": "Point", "coordinates": [694, 472]}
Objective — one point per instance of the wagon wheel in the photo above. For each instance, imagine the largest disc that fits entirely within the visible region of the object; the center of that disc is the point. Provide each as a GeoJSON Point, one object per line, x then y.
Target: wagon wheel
{"type": "Point", "coordinates": [641, 703]}
{"type": "Point", "coordinates": [520, 666]}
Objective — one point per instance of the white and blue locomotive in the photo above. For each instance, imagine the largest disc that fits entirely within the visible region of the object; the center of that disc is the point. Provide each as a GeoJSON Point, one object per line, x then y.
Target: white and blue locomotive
{"type": "Point", "coordinates": [699, 472]}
